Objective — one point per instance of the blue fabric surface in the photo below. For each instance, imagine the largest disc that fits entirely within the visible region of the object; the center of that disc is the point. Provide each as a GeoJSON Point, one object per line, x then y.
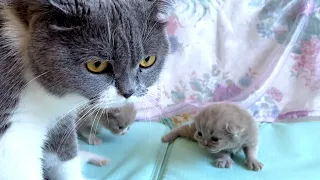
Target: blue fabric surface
{"type": "Point", "coordinates": [289, 152]}
{"type": "Point", "coordinates": [135, 156]}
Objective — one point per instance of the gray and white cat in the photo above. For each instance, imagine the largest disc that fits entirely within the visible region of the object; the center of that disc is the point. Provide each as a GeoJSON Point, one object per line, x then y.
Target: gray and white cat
{"type": "Point", "coordinates": [57, 55]}
{"type": "Point", "coordinates": [116, 120]}
{"type": "Point", "coordinates": [223, 129]}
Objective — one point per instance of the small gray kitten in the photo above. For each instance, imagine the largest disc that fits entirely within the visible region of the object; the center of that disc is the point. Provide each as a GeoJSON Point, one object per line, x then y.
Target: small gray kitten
{"type": "Point", "coordinates": [223, 129]}
{"type": "Point", "coordinates": [116, 120]}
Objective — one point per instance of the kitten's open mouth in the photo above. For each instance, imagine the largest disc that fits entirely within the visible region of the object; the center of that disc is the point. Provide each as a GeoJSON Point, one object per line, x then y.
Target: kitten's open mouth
{"type": "Point", "coordinates": [213, 150]}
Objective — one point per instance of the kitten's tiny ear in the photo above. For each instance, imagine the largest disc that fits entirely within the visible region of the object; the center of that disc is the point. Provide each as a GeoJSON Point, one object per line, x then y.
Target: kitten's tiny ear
{"type": "Point", "coordinates": [233, 129]}
{"type": "Point", "coordinates": [114, 111]}
{"type": "Point", "coordinates": [78, 7]}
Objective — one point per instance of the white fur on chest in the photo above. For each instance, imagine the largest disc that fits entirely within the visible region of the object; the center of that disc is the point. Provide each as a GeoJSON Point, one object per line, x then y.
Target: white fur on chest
{"type": "Point", "coordinates": [21, 145]}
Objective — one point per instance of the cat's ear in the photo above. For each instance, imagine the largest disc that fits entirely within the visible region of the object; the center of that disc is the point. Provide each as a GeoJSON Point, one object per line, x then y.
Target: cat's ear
{"type": "Point", "coordinates": [71, 6]}
{"type": "Point", "coordinates": [164, 9]}
{"type": "Point", "coordinates": [234, 129]}
{"type": "Point", "coordinates": [114, 111]}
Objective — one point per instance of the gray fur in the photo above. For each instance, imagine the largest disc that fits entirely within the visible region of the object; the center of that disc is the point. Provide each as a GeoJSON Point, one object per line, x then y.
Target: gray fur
{"type": "Point", "coordinates": [122, 32]}
{"type": "Point", "coordinates": [62, 141]}
{"type": "Point", "coordinates": [11, 80]}
{"type": "Point", "coordinates": [64, 35]}
{"type": "Point", "coordinates": [117, 121]}
{"type": "Point", "coordinates": [223, 129]}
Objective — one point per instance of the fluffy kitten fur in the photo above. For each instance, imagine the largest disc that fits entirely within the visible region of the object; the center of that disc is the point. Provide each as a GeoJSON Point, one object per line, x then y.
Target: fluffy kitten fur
{"type": "Point", "coordinates": [44, 48]}
{"type": "Point", "coordinates": [223, 129]}
{"type": "Point", "coordinates": [117, 121]}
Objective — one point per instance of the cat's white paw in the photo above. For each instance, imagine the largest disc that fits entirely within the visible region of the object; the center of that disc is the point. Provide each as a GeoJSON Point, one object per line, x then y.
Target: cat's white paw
{"type": "Point", "coordinates": [254, 164]}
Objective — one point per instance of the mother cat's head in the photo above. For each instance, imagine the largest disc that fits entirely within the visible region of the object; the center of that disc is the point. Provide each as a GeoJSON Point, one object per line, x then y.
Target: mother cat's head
{"type": "Point", "coordinates": [111, 50]}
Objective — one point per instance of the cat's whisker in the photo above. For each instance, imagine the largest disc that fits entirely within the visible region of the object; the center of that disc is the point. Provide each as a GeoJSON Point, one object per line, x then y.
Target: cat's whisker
{"type": "Point", "coordinates": [81, 120]}
{"type": "Point", "coordinates": [149, 118]}
{"type": "Point", "coordinates": [149, 33]}
{"type": "Point", "coordinates": [75, 108]}
{"type": "Point", "coordinates": [78, 123]}
{"type": "Point", "coordinates": [93, 123]}
{"type": "Point", "coordinates": [60, 119]}
{"type": "Point", "coordinates": [107, 112]}
{"type": "Point", "coordinates": [145, 109]}
{"type": "Point", "coordinates": [108, 30]}
{"type": "Point", "coordinates": [155, 96]}
{"type": "Point", "coordinates": [145, 24]}
{"type": "Point", "coordinates": [154, 106]}
{"type": "Point", "coordinates": [97, 125]}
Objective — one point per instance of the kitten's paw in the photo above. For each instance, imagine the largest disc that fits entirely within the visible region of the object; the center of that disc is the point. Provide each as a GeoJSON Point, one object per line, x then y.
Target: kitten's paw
{"type": "Point", "coordinates": [254, 164]}
{"type": "Point", "coordinates": [99, 161]}
{"type": "Point", "coordinates": [169, 138]}
{"type": "Point", "coordinates": [95, 141]}
{"type": "Point", "coordinates": [224, 162]}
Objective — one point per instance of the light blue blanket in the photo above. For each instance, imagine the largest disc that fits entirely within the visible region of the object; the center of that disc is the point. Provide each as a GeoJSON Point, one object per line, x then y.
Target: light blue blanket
{"type": "Point", "coordinates": [289, 152]}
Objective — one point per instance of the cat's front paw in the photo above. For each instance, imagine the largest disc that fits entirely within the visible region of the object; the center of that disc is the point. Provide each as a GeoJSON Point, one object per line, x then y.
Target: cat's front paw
{"type": "Point", "coordinates": [94, 140]}
{"type": "Point", "coordinates": [169, 138]}
{"type": "Point", "coordinates": [224, 162]}
{"type": "Point", "coordinates": [254, 164]}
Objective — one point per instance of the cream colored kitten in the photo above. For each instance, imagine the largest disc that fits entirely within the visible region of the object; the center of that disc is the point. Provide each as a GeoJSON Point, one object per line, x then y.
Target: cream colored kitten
{"type": "Point", "coordinates": [223, 129]}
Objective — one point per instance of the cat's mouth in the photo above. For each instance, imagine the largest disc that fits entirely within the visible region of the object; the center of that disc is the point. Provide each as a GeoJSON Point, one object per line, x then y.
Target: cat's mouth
{"type": "Point", "coordinates": [112, 99]}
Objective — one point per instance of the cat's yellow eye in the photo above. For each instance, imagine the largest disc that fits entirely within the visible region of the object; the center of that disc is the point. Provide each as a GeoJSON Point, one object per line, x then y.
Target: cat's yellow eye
{"type": "Point", "coordinates": [148, 62]}
{"type": "Point", "coordinates": [97, 66]}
